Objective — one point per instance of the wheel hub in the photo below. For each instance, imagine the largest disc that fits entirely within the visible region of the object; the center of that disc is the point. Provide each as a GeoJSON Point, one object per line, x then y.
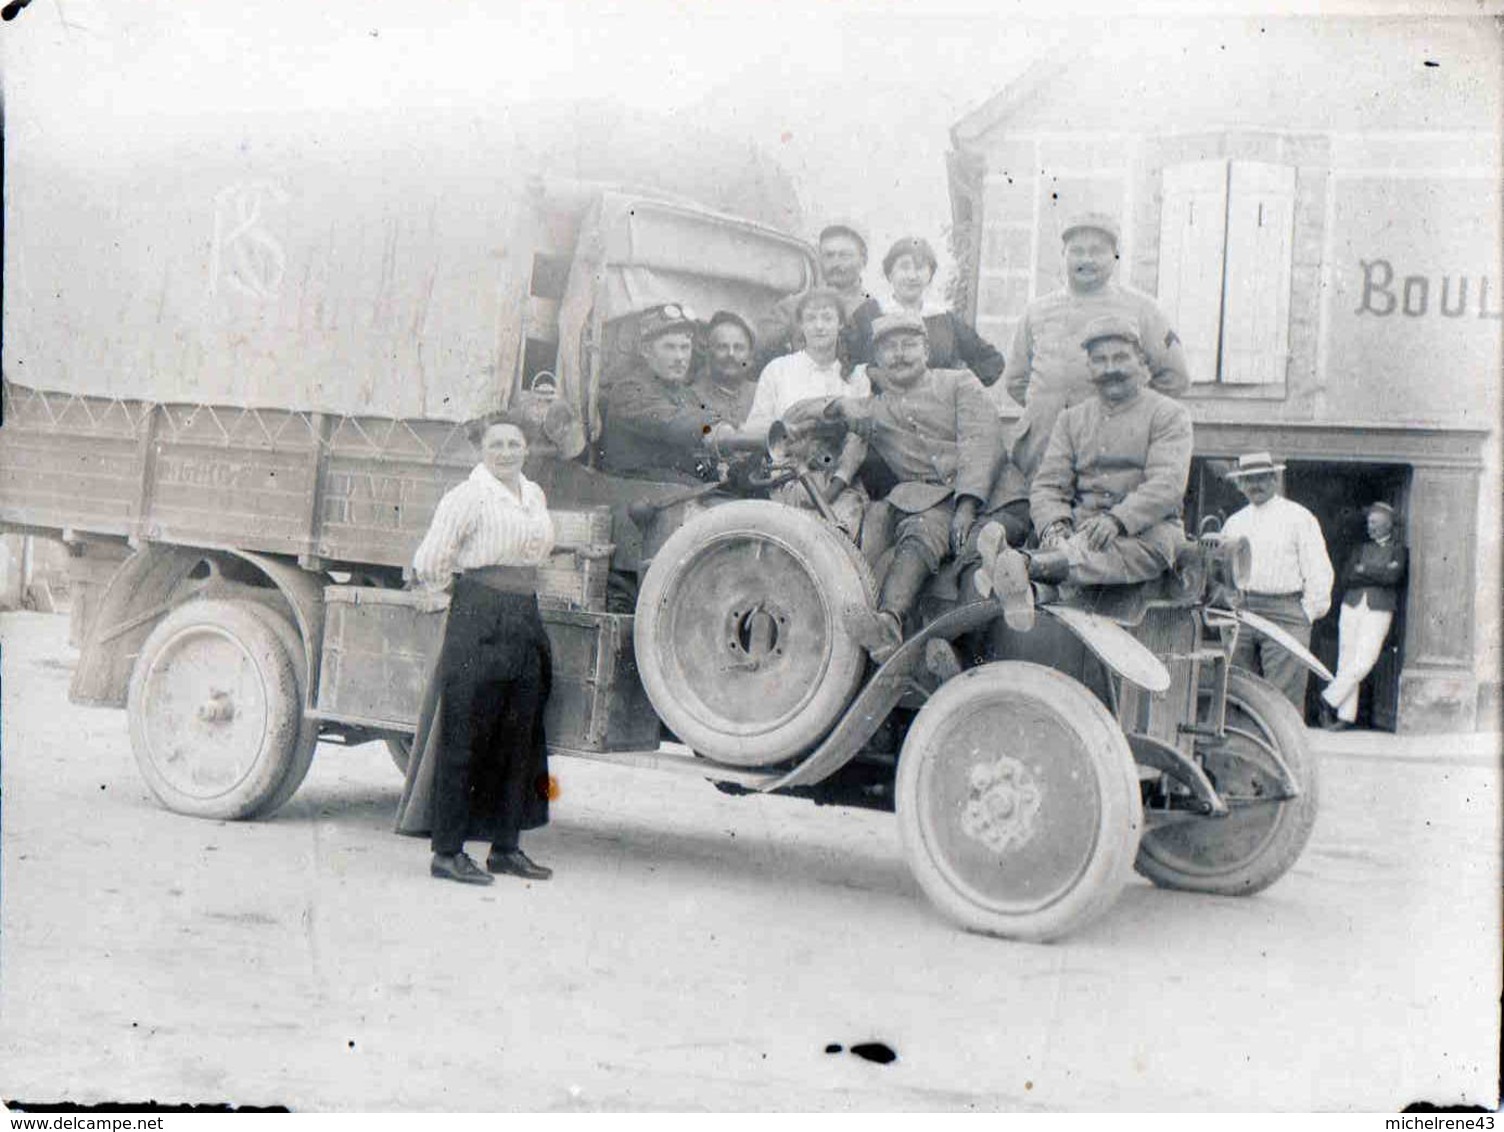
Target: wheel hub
{"type": "Point", "coordinates": [1004, 802]}
{"type": "Point", "coordinates": [218, 708]}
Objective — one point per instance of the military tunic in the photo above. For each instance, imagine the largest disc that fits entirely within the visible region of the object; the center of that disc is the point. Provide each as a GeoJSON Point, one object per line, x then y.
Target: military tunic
{"type": "Point", "coordinates": [1047, 372]}
{"type": "Point", "coordinates": [1130, 461]}
{"type": "Point", "coordinates": [941, 439]}
{"type": "Point", "coordinates": [654, 430]}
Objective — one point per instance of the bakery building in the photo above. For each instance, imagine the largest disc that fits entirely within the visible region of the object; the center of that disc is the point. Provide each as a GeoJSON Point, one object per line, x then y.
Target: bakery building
{"type": "Point", "coordinates": [1316, 205]}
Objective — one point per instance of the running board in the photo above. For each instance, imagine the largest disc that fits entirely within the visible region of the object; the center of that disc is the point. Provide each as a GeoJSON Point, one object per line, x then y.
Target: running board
{"type": "Point", "coordinates": [677, 759]}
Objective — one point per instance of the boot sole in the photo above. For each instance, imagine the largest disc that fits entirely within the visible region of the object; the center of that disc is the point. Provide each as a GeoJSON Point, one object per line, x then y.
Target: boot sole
{"type": "Point", "coordinates": [1010, 584]}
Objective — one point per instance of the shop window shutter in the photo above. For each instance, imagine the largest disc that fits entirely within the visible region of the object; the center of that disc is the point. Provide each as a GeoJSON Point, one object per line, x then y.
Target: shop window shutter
{"type": "Point", "coordinates": [1192, 238]}
{"type": "Point", "coordinates": [1256, 305]}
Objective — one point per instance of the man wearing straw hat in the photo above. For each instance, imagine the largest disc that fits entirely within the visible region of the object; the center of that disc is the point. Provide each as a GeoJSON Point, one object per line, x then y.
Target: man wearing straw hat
{"type": "Point", "coordinates": [1370, 586]}
{"type": "Point", "coordinates": [1291, 578]}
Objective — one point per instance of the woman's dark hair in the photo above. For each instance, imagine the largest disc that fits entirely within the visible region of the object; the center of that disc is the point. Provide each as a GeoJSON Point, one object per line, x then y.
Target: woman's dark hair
{"type": "Point", "coordinates": [475, 431]}
{"type": "Point", "coordinates": [819, 297]}
{"type": "Point", "coordinates": [916, 246]}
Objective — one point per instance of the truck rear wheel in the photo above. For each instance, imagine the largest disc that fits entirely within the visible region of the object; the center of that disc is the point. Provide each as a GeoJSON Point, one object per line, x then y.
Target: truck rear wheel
{"type": "Point", "coordinates": [1263, 835]}
{"type": "Point", "coordinates": [308, 729]}
{"type": "Point", "coordinates": [1018, 802]}
{"type": "Point", "coordinates": [214, 710]}
{"type": "Point", "coordinates": [739, 635]}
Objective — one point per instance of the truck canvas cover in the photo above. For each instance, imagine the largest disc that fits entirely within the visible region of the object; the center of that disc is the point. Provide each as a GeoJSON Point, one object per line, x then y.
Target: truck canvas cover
{"type": "Point", "coordinates": [353, 266]}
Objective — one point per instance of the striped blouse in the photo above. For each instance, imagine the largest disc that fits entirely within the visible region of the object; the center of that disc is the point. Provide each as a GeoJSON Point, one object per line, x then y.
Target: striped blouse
{"type": "Point", "coordinates": [482, 523]}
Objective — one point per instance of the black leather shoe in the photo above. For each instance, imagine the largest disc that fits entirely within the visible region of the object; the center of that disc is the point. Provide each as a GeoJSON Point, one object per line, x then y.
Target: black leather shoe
{"type": "Point", "coordinates": [458, 866]}
{"type": "Point", "coordinates": [517, 863]}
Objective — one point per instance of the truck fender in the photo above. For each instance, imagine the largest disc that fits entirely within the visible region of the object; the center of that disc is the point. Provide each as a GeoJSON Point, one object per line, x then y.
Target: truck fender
{"type": "Point", "coordinates": [1114, 646]}
{"type": "Point", "coordinates": [305, 593]}
{"type": "Point", "coordinates": [1285, 641]}
{"type": "Point", "coordinates": [146, 588]}
{"type": "Point", "coordinates": [141, 587]}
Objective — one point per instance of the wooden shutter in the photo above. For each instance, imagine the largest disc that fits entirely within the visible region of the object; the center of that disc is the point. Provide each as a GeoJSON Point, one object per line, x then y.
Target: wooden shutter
{"type": "Point", "coordinates": [1256, 304]}
{"type": "Point", "coordinates": [1192, 236]}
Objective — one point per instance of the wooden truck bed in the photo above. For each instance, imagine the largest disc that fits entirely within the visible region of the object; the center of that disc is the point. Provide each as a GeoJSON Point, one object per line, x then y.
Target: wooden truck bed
{"type": "Point", "coordinates": [329, 490]}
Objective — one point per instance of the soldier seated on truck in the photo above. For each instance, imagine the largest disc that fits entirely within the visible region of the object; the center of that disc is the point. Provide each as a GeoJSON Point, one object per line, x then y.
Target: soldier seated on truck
{"type": "Point", "coordinates": [938, 434]}
{"type": "Point", "coordinates": [658, 421]}
{"type": "Point", "coordinates": [1106, 499]}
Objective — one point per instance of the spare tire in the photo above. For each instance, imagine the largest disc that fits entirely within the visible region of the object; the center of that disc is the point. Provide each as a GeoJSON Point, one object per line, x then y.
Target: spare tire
{"type": "Point", "coordinates": [739, 636]}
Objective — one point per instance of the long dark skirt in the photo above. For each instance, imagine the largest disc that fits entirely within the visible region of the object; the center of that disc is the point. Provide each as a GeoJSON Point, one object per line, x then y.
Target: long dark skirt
{"type": "Point", "coordinates": [479, 768]}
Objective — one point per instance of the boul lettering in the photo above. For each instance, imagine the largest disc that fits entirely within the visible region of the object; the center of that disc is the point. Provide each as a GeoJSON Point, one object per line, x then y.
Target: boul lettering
{"type": "Point", "coordinates": [1412, 295]}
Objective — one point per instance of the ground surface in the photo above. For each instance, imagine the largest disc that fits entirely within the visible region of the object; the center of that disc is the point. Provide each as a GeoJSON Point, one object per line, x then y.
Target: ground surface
{"type": "Point", "coordinates": [701, 951]}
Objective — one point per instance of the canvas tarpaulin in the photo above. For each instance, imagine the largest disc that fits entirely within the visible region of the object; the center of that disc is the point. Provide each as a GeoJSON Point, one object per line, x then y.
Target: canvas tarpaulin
{"type": "Point", "coordinates": [320, 270]}
{"type": "Point", "coordinates": [634, 253]}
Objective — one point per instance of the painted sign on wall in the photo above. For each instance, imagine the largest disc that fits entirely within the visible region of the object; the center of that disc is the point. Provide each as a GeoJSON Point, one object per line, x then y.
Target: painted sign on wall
{"type": "Point", "coordinates": [1414, 323]}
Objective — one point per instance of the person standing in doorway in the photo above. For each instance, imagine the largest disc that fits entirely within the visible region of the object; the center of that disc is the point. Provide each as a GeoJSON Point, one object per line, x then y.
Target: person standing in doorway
{"type": "Point", "coordinates": [1290, 582]}
{"type": "Point", "coordinates": [1370, 589]}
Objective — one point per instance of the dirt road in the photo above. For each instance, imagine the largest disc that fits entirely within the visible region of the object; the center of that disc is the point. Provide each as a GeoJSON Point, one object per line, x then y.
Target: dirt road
{"type": "Point", "coordinates": [702, 951]}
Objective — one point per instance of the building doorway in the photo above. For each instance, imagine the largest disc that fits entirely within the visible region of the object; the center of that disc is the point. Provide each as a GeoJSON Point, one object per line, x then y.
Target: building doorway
{"type": "Point", "coordinates": [1338, 494]}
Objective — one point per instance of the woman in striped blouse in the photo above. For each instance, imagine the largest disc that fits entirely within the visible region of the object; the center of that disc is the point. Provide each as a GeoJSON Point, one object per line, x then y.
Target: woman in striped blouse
{"type": "Point", "coordinates": [479, 749]}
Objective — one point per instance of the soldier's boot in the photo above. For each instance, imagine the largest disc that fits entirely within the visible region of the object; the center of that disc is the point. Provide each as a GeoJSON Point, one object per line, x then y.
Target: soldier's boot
{"type": "Point", "coordinates": [1013, 579]}
{"type": "Point", "coordinates": [880, 630]}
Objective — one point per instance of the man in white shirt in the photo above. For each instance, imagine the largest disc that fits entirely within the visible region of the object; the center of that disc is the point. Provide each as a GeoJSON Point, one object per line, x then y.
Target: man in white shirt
{"type": "Point", "coordinates": [1290, 582]}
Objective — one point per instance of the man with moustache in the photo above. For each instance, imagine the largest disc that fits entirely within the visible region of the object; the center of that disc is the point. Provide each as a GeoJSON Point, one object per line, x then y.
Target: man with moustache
{"type": "Point", "coordinates": [938, 434]}
{"type": "Point", "coordinates": [1290, 580]}
{"type": "Point", "coordinates": [843, 258]}
{"type": "Point", "coordinates": [658, 424]}
{"type": "Point", "coordinates": [1047, 372]}
{"type": "Point", "coordinates": [726, 387]}
{"type": "Point", "coordinates": [1106, 497]}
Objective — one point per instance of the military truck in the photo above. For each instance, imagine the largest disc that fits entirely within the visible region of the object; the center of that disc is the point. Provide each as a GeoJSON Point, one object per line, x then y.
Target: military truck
{"type": "Point", "coordinates": [238, 393]}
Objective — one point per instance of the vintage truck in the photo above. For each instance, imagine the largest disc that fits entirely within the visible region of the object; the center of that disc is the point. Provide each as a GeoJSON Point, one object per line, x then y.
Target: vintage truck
{"type": "Point", "coordinates": [238, 400]}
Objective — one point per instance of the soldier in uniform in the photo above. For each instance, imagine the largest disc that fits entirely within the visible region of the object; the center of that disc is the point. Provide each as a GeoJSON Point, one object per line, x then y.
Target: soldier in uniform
{"type": "Point", "coordinates": [659, 423]}
{"type": "Point", "coordinates": [728, 383]}
{"type": "Point", "coordinates": [938, 434]}
{"type": "Point", "coordinates": [1106, 498]}
{"type": "Point", "coordinates": [1046, 370]}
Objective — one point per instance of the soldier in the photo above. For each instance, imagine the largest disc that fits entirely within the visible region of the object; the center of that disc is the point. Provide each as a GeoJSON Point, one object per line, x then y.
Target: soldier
{"type": "Point", "coordinates": [727, 385]}
{"type": "Point", "coordinates": [1047, 371]}
{"type": "Point", "coordinates": [1106, 498]}
{"type": "Point", "coordinates": [938, 434]}
{"type": "Point", "coordinates": [659, 424]}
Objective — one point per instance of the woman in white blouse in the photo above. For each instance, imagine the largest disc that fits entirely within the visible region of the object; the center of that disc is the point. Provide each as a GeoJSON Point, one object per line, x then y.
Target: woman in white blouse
{"type": "Point", "coordinates": [812, 372]}
{"type": "Point", "coordinates": [480, 763]}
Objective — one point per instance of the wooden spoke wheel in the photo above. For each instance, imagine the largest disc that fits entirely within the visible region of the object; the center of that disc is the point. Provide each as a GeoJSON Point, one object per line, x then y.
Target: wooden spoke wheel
{"type": "Point", "coordinates": [1265, 832]}
{"type": "Point", "coordinates": [215, 711]}
{"type": "Point", "coordinates": [739, 634]}
{"type": "Point", "coordinates": [1018, 802]}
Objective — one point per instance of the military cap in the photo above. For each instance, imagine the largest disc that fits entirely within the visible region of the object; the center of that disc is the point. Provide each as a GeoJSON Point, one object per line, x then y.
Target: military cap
{"type": "Point", "coordinates": [1097, 221]}
{"type": "Point", "coordinates": [845, 228]}
{"type": "Point", "coordinates": [1382, 507]}
{"type": "Point", "coordinates": [887, 324]}
{"type": "Point", "coordinates": [1111, 326]}
{"type": "Point", "coordinates": [670, 318]}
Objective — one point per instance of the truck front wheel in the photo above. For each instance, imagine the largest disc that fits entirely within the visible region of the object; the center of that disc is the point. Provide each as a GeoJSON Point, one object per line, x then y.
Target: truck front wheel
{"type": "Point", "coordinates": [215, 711]}
{"type": "Point", "coordinates": [1018, 802]}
